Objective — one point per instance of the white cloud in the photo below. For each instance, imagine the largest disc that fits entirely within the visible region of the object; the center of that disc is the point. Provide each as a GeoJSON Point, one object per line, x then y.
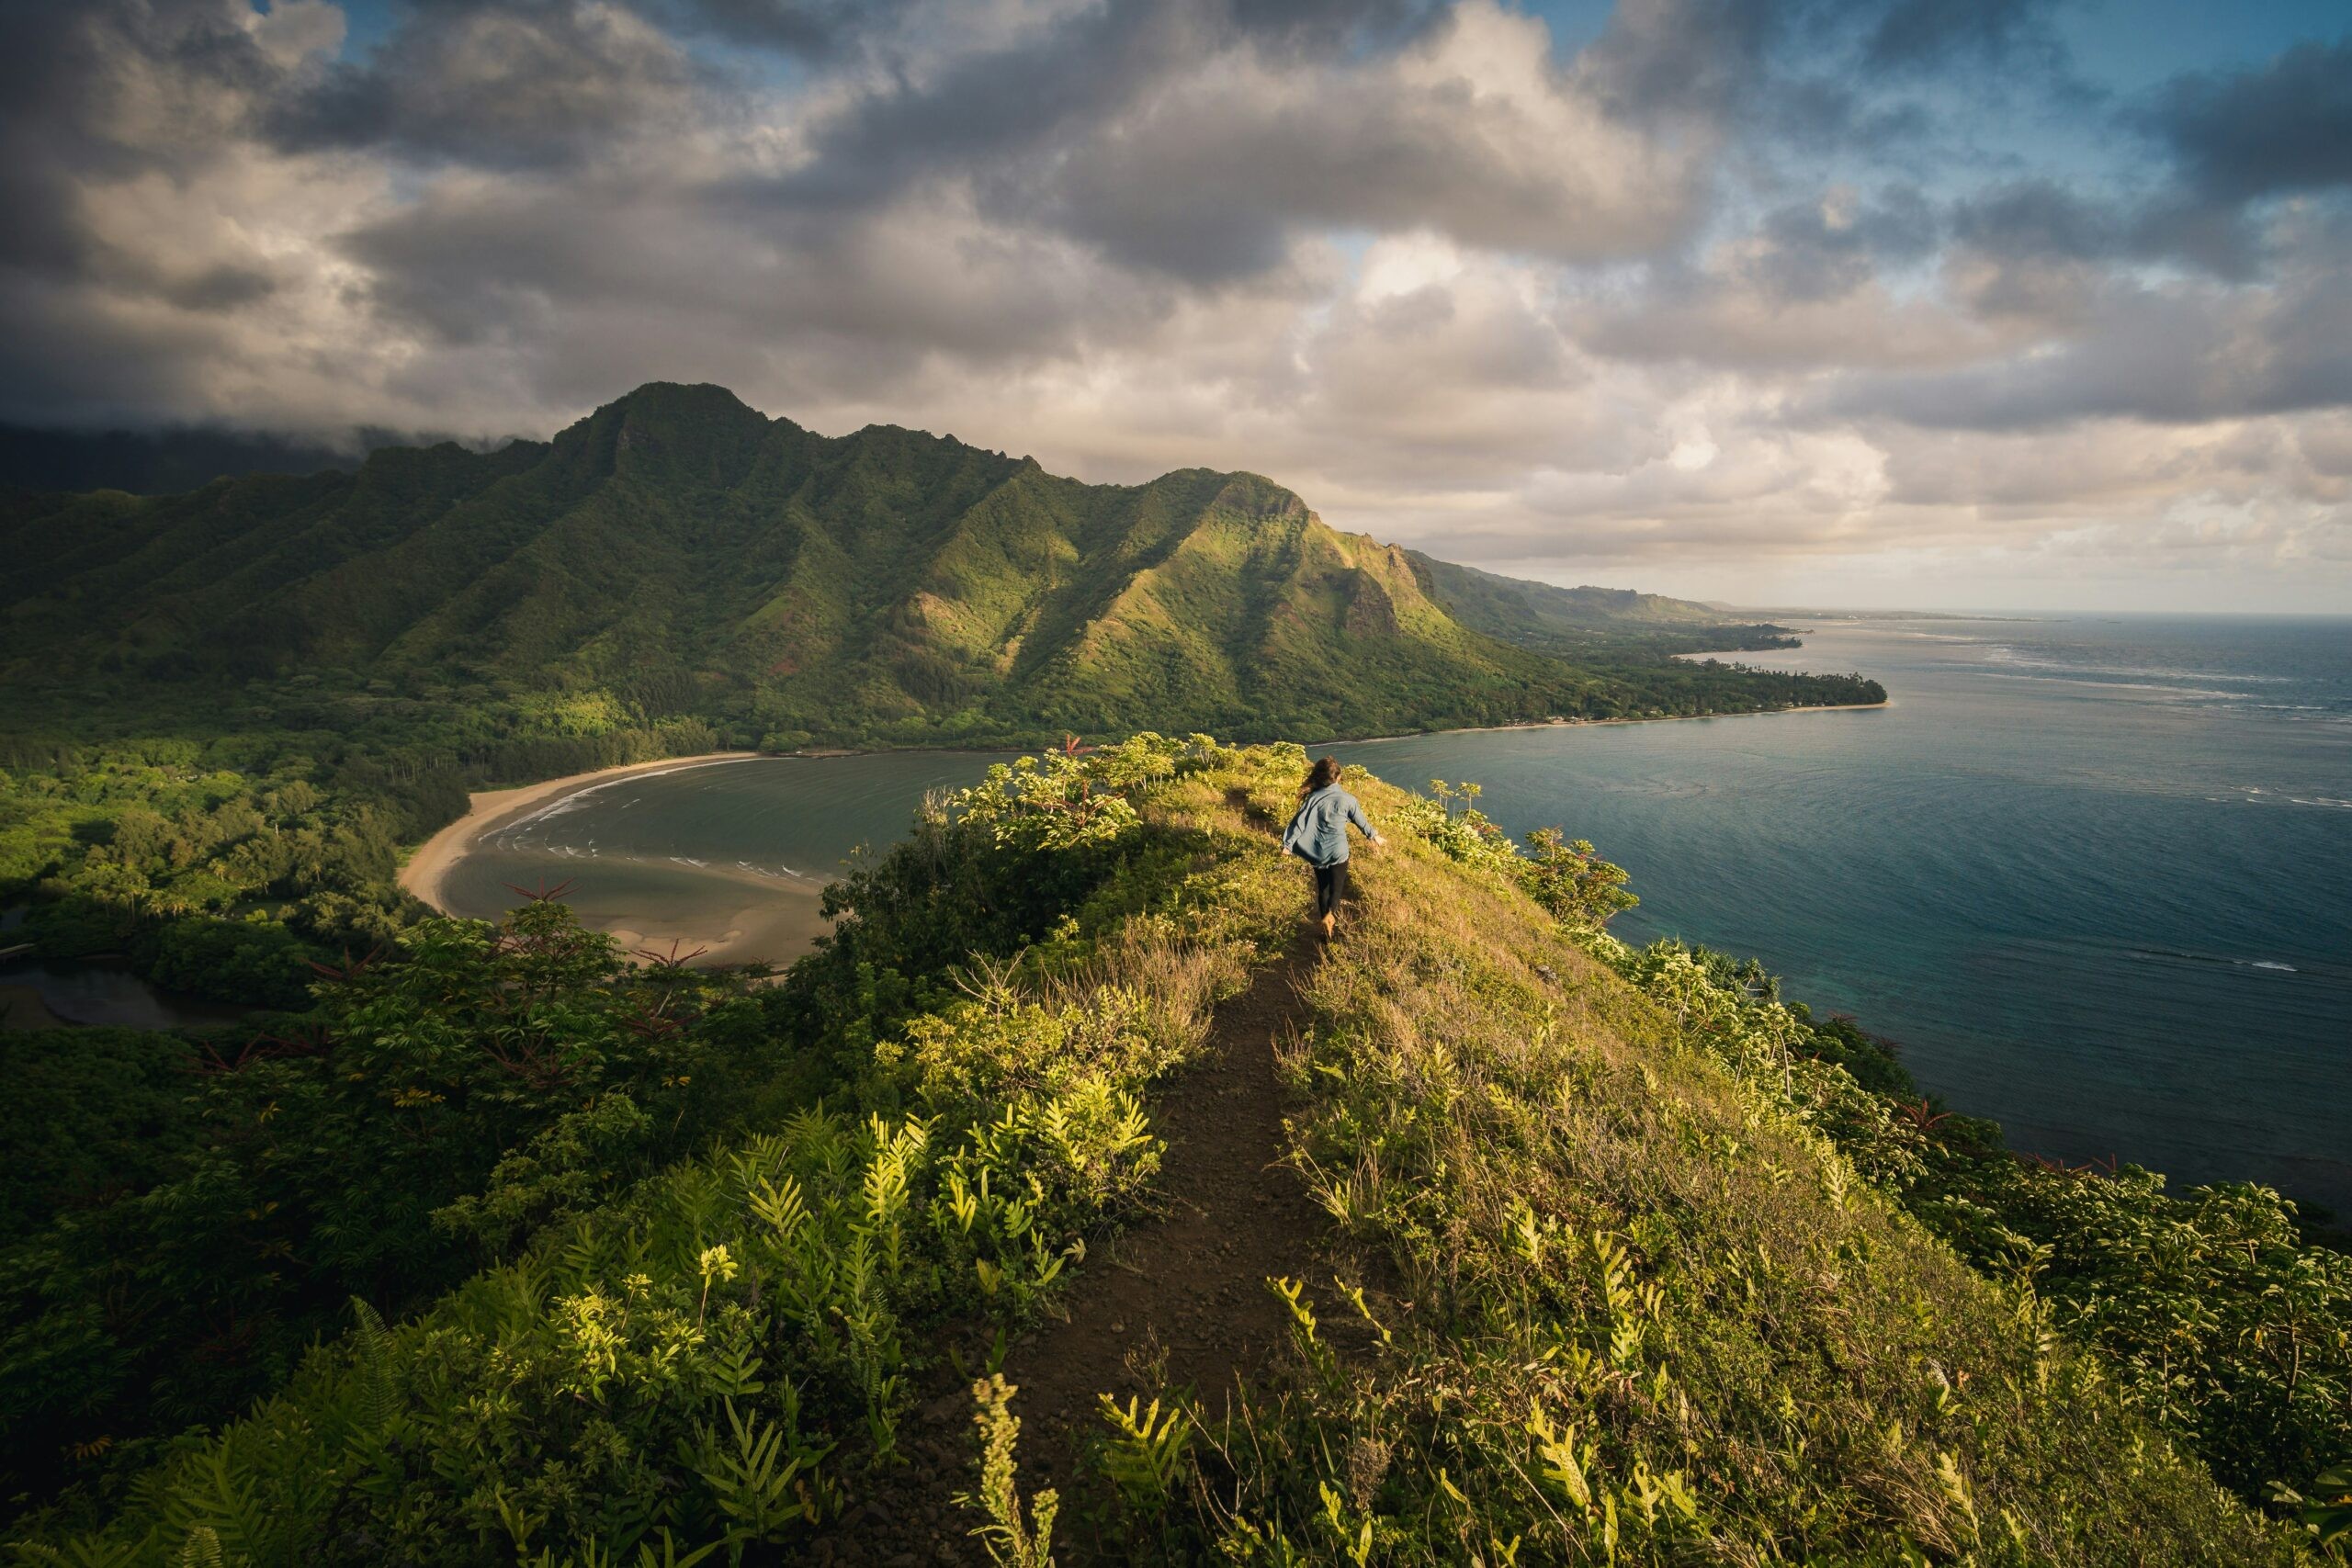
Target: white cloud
{"type": "Point", "coordinates": [1457, 291]}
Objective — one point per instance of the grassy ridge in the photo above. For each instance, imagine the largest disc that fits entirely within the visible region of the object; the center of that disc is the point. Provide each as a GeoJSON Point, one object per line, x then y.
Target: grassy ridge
{"type": "Point", "coordinates": [1645, 1286]}
{"type": "Point", "coordinates": [1656, 1300]}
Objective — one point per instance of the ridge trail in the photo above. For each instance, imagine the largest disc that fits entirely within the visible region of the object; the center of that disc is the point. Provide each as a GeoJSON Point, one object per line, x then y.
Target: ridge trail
{"type": "Point", "coordinates": [1176, 1303]}
{"type": "Point", "coordinates": [1182, 1303]}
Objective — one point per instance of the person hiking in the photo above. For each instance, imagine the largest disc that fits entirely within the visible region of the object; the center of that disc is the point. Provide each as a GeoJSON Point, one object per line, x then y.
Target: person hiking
{"type": "Point", "coordinates": [1318, 834]}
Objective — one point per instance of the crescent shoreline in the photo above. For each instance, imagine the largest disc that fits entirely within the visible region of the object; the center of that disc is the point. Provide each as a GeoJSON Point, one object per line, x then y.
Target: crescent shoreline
{"type": "Point", "coordinates": [769, 933]}
{"type": "Point", "coordinates": [493, 809]}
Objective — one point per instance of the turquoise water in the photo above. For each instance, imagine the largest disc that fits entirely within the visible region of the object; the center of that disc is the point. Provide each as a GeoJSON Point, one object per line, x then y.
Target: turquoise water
{"type": "Point", "coordinates": [2095, 877]}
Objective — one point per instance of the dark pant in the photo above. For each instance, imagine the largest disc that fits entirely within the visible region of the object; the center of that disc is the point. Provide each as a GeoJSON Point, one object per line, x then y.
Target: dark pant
{"type": "Point", "coordinates": [1330, 886]}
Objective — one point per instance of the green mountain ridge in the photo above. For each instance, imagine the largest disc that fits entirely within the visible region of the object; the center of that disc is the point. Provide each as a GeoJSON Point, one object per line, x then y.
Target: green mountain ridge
{"type": "Point", "coordinates": [679, 553]}
{"type": "Point", "coordinates": [1539, 614]}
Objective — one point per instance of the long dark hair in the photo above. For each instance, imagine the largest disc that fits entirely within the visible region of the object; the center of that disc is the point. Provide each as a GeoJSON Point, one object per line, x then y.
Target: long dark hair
{"type": "Point", "coordinates": [1324, 773]}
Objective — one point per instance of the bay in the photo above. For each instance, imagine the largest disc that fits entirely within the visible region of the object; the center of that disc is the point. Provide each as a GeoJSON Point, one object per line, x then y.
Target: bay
{"type": "Point", "coordinates": [2093, 875]}
{"type": "Point", "coordinates": [728, 860]}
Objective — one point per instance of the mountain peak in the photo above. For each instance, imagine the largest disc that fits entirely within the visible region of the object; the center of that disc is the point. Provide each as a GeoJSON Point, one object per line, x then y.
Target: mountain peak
{"type": "Point", "coordinates": [706, 397]}
{"type": "Point", "coordinates": [668, 432]}
{"type": "Point", "coordinates": [679, 551]}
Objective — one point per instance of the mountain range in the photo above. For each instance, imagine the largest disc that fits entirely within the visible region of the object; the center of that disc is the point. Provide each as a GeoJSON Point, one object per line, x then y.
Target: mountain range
{"type": "Point", "coordinates": [679, 553]}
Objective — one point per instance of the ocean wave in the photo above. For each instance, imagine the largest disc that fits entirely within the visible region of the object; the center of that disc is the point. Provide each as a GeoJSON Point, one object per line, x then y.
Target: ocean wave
{"type": "Point", "coordinates": [565, 804]}
{"type": "Point", "coordinates": [2159, 693]}
{"type": "Point", "coordinates": [2133, 673]}
{"type": "Point", "coordinates": [2181, 955]}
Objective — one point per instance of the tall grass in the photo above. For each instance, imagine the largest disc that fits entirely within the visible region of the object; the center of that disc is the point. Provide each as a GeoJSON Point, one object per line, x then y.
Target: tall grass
{"type": "Point", "coordinates": [1640, 1308]}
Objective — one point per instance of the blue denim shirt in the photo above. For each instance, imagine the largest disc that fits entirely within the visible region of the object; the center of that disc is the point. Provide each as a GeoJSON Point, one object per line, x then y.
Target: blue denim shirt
{"type": "Point", "coordinates": [1318, 832]}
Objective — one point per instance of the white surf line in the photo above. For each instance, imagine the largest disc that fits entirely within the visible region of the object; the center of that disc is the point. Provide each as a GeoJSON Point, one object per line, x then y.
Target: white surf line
{"type": "Point", "coordinates": [557, 805]}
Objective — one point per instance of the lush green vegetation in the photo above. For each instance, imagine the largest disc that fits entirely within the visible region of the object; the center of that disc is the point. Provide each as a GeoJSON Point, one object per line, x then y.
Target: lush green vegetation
{"type": "Point", "coordinates": [1642, 1263]}
{"type": "Point", "coordinates": [226, 710]}
{"type": "Point", "coordinates": [221, 869]}
{"type": "Point", "coordinates": [678, 555]}
{"type": "Point", "coordinates": [718, 1347]}
{"type": "Point", "coordinates": [1583, 622]}
{"type": "Point", "coordinates": [239, 1189]}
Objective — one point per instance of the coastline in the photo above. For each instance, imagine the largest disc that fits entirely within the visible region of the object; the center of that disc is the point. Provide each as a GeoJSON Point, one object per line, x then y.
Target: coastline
{"type": "Point", "coordinates": [423, 872]}
{"type": "Point", "coordinates": [773, 932]}
{"type": "Point", "coordinates": [1597, 723]}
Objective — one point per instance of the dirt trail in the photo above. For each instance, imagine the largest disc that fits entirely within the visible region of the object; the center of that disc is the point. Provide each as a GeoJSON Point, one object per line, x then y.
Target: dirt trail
{"type": "Point", "coordinates": [1182, 1303]}
{"type": "Point", "coordinates": [1179, 1303]}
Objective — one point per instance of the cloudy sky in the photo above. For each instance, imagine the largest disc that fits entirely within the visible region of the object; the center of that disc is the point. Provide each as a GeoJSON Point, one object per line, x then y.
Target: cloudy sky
{"type": "Point", "coordinates": [2032, 304]}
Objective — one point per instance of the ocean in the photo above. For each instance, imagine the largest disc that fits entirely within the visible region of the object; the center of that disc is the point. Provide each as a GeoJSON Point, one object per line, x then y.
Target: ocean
{"type": "Point", "coordinates": [2092, 874]}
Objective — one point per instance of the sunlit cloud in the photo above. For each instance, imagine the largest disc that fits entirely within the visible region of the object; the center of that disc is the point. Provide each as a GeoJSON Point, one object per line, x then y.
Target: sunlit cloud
{"type": "Point", "coordinates": [1872, 299]}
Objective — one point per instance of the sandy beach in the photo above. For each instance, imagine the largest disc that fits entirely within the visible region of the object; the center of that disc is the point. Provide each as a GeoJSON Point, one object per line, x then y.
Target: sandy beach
{"type": "Point", "coordinates": [785, 924]}
{"type": "Point", "coordinates": [777, 922]}
{"type": "Point", "coordinates": [494, 808]}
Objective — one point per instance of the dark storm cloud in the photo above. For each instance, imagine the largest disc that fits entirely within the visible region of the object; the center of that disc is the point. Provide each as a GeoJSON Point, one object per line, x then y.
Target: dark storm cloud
{"type": "Point", "coordinates": [985, 109]}
{"type": "Point", "coordinates": [2042, 218]}
{"type": "Point", "coordinates": [1815, 251]}
{"type": "Point", "coordinates": [2038, 222]}
{"type": "Point", "coordinates": [1217, 185]}
{"type": "Point", "coordinates": [1109, 127]}
{"type": "Point", "coordinates": [81, 88]}
{"type": "Point", "coordinates": [1199, 139]}
{"type": "Point", "coordinates": [2284, 127]}
{"type": "Point", "coordinates": [1323, 22]}
{"type": "Point", "coordinates": [1811, 66]}
{"type": "Point", "coordinates": [2229, 140]}
{"type": "Point", "coordinates": [56, 130]}
{"type": "Point", "coordinates": [1688, 59]}
{"type": "Point", "coordinates": [1040, 95]}
{"type": "Point", "coordinates": [826, 29]}
{"type": "Point", "coordinates": [1922, 34]}
{"type": "Point", "coordinates": [585, 276]}
{"type": "Point", "coordinates": [816, 29]}
{"type": "Point", "coordinates": [1799, 288]}
{"type": "Point", "coordinates": [510, 84]}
